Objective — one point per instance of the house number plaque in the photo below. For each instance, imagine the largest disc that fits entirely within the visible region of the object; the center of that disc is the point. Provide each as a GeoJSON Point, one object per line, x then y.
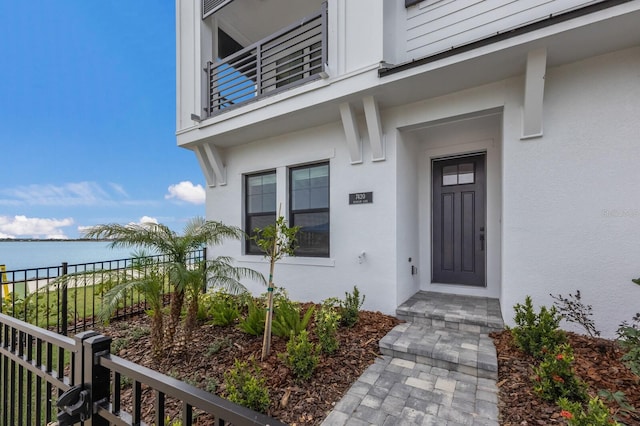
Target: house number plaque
{"type": "Point", "coordinates": [361, 198]}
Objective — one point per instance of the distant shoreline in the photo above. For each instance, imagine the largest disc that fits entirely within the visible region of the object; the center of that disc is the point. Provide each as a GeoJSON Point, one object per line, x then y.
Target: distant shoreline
{"type": "Point", "coordinates": [60, 240]}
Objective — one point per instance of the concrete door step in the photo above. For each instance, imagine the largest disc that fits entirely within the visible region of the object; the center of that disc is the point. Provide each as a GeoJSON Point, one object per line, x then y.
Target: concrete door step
{"type": "Point", "coordinates": [467, 352]}
{"type": "Point", "coordinates": [454, 312]}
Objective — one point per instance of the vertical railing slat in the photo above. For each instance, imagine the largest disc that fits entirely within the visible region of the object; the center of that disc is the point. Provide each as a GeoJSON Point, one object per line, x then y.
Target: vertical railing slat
{"type": "Point", "coordinates": [159, 403]}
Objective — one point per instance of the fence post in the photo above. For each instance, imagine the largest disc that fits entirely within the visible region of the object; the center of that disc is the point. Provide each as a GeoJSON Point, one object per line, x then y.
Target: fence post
{"type": "Point", "coordinates": [204, 278]}
{"type": "Point", "coordinates": [97, 378]}
{"type": "Point", "coordinates": [65, 304]}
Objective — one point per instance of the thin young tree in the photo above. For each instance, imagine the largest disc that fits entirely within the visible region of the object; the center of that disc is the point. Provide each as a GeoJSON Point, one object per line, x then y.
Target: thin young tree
{"type": "Point", "coordinates": [160, 239]}
{"type": "Point", "coordinates": [276, 241]}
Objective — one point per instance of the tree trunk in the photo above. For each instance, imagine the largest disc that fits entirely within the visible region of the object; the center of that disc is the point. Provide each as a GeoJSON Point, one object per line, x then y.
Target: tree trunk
{"type": "Point", "coordinates": [266, 341]}
{"type": "Point", "coordinates": [192, 319]}
{"type": "Point", "coordinates": [177, 300]}
{"type": "Point", "coordinates": [157, 334]}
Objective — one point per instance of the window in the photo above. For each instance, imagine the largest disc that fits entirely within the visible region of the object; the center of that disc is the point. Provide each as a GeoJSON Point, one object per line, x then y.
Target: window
{"type": "Point", "coordinates": [260, 205]}
{"type": "Point", "coordinates": [458, 174]}
{"type": "Point", "coordinates": [309, 208]}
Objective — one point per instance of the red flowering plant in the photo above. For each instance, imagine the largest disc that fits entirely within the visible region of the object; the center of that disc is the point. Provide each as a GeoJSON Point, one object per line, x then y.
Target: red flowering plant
{"type": "Point", "coordinates": [596, 413]}
{"type": "Point", "coordinates": [554, 377]}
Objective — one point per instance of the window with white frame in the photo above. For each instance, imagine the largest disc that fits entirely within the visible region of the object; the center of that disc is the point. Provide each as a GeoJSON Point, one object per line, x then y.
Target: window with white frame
{"type": "Point", "coordinates": [260, 205]}
{"type": "Point", "coordinates": [309, 208]}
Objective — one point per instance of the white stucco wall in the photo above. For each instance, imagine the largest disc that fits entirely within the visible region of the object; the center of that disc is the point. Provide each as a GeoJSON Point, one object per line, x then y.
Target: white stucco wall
{"type": "Point", "coordinates": [354, 228]}
{"type": "Point", "coordinates": [572, 198]}
{"type": "Point", "coordinates": [563, 210]}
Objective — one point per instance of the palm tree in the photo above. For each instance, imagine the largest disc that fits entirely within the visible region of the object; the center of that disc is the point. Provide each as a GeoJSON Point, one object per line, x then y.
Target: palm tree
{"type": "Point", "coordinates": [146, 278]}
{"type": "Point", "coordinates": [158, 238]}
{"type": "Point", "coordinates": [218, 272]}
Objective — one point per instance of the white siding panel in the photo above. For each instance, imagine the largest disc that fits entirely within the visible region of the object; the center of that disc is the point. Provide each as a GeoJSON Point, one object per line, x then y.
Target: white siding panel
{"type": "Point", "coordinates": [438, 25]}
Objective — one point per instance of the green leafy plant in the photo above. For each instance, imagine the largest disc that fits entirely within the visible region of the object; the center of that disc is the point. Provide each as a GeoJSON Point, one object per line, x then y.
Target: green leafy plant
{"type": "Point", "coordinates": [211, 385]}
{"type": "Point", "coordinates": [350, 307]}
{"type": "Point", "coordinates": [301, 356]}
{"type": "Point", "coordinates": [146, 277]}
{"type": "Point", "coordinates": [276, 241]}
{"type": "Point", "coordinates": [253, 324]}
{"type": "Point", "coordinates": [183, 275]}
{"type": "Point", "coordinates": [327, 321]}
{"type": "Point", "coordinates": [169, 422]}
{"type": "Point", "coordinates": [118, 344]}
{"type": "Point", "coordinates": [222, 308]}
{"type": "Point", "coordinates": [537, 333]}
{"type": "Point", "coordinates": [573, 310]}
{"type": "Point", "coordinates": [218, 345]}
{"type": "Point", "coordinates": [629, 340]}
{"type": "Point", "coordinates": [624, 408]}
{"type": "Point", "coordinates": [596, 414]}
{"type": "Point", "coordinates": [554, 376]}
{"type": "Point", "coordinates": [245, 385]}
{"type": "Point", "coordinates": [287, 318]}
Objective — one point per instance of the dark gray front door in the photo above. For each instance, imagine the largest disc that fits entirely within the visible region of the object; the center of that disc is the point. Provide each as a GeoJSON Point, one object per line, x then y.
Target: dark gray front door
{"type": "Point", "coordinates": [459, 220]}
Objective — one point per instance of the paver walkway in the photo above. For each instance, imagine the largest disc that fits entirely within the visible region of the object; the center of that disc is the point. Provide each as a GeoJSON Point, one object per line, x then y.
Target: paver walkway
{"type": "Point", "coordinates": [438, 368]}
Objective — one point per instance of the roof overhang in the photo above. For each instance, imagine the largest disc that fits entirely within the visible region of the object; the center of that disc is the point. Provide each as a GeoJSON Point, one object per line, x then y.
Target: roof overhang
{"type": "Point", "coordinates": [318, 103]}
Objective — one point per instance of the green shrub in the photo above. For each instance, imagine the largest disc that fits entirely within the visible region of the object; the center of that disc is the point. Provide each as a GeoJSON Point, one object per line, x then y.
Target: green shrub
{"type": "Point", "coordinates": [554, 377]}
{"type": "Point", "coordinates": [245, 385]}
{"type": "Point", "coordinates": [253, 324]}
{"type": "Point", "coordinates": [287, 320]}
{"type": "Point", "coordinates": [211, 385]}
{"type": "Point", "coordinates": [136, 333]}
{"type": "Point", "coordinates": [218, 345]}
{"type": "Point", "coordinates": [629, 340]}
{"type": "Point", "coordinates": [573, 310]}
{"type": "Point", "coordinates": [301, 356]}
{"type": "Point", "coordinates": [624, 407]}
{"type": "Point", "coordinates": [222, 308]}
{"type": "Point", "coordinates": [537, 333]}
{"type": "Point", "coordinates": [327, 320]}
{"type": "Point", "coordinates": [350, 307]}
{"type": "Point", "coordinates": [597, 414]}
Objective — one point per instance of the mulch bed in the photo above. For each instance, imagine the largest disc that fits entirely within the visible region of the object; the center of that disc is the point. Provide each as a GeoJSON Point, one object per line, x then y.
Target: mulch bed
{"type": "Point", "coordinates": [597, 362]}
{"type": "Point", "coordinates": [292, 402]}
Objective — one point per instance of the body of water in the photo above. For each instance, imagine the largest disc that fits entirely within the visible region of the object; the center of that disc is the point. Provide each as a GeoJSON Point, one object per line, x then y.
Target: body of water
{"type": "Point", "coordinates": [16, 255]}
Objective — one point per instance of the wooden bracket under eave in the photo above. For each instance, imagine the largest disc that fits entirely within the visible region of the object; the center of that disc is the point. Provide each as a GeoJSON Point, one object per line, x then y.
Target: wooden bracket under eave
{"type": "Point", "coordinates": [374, 128]}
{"type": "Point", "coordinates": [211, 164]}
{"type": "Point", "coordinates": [533, 109]}
{"type": "Point", "coordinates": [350, 124]}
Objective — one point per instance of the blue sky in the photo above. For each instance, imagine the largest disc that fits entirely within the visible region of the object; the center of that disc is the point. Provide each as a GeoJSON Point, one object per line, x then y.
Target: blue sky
{"type": "Point", "coordinates": [87, 118]}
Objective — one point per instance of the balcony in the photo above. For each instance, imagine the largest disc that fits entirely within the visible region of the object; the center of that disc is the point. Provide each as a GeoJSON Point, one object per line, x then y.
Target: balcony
{"type": "Point", "coordinates": [292, 56]}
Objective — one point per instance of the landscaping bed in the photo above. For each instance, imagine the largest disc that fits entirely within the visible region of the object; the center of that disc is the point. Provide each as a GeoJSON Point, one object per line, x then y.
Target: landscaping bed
{"type": "Point", "coordinates": [213, 350]}
{"type": "Point", "coordinates": [597, 362]}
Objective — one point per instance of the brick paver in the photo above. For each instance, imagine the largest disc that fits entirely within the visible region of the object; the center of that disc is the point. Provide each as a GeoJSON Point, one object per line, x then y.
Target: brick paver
{"type": "Point", "coordinates": [439, 370]}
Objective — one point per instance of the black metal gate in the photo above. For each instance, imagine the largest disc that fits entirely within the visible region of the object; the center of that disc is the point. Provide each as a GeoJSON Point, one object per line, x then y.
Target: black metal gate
{"type": "Point", "coordinates": [47, 378]}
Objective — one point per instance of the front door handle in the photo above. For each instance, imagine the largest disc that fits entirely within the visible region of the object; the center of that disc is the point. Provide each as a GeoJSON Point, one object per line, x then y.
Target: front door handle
{"type": "Point", "coordinates": [482, 238]}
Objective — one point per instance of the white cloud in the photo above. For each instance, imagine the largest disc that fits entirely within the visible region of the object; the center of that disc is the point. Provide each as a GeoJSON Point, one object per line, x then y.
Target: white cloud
{"type": "Point", "coordinates": [119, 189]}
{"type": "Point", "coordinates": [68, 194]}
{"type": "Point", "coordinates": [33, 227]}
{"type": "Point", "coordinates": [147, 219]}
{"type": "Point", "coordinates": [186, 191]}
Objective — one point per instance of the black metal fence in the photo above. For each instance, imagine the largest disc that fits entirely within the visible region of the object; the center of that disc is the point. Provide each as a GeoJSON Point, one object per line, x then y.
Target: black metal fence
{"type": "Point", "coordinates": [47, 377]}
{"type": "Point", "coordinates": [68, 298]}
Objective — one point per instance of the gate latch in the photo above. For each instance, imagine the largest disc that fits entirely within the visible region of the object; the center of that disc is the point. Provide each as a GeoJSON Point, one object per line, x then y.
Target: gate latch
{"type": "Point", "coordinates": [74, 406]}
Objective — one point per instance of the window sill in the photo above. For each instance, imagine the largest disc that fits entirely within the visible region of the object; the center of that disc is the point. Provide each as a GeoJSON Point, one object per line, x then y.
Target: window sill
{"type": "Point", "coordinates": [301, 261]}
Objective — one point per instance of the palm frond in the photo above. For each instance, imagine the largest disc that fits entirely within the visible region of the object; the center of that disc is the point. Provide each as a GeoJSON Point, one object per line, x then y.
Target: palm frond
{"type": "Point", "coordinates": [223, 274]}
{"type": "Point", "coordinates": [150, 286]}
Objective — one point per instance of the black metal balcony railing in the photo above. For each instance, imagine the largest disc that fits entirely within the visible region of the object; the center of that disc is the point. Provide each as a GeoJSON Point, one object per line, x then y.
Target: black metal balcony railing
{"type": "Point", "coordinates": [293, 56]}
